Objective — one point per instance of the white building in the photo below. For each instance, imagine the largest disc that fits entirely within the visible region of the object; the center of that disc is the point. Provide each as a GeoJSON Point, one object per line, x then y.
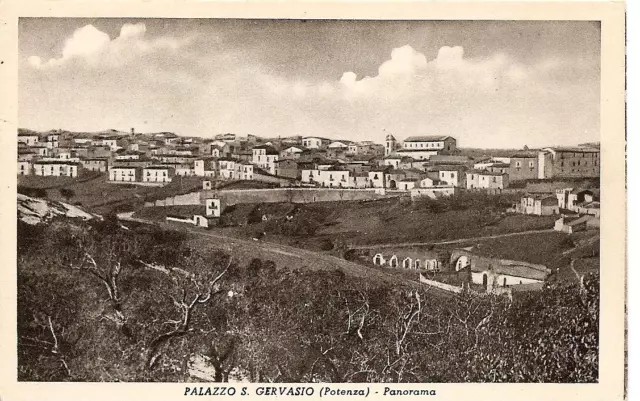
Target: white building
{"type": "Point", "coordinates": [28, 139]}
{"type": "Point", "coordinates": [55, 168]}
{"type": "Point", "coordinates": [213, 207]}
{"type": "Point", "coordinates": [123, 174]}
{"type": "Point", "coordinates": [157, 174]}
{"type": "Point", "coordinates": [24, 167]}
{"type": "Point", "coordinates": [311, 142]}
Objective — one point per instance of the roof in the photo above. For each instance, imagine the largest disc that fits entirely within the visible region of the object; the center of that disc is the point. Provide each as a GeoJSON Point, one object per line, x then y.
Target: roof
{"type": "Point", "coordinates": [157, 167]}
{"type": "Point", "coordinates": [430, 138]}
{"type": "Point", "coordinates": [509, 267]}
{"type": "Point", "coordinates": [576, 149]}
{"type": "Point", "coordinates": [485, 172]}
{"type": "Point", "coordinates": [525, 155]}
{"type": "Point", "coordinates": [68, 163]}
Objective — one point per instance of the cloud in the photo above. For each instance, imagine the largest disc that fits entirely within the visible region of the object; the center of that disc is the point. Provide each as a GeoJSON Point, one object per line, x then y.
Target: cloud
{"type": "Point", "coordinates": [96, 49]}
{"type": "Point", "coordinates": [201, 87]}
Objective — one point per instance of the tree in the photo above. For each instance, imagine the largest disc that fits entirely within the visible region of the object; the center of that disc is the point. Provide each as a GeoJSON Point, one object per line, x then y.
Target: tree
{"type": "Point", "coordinates": [67, 193]}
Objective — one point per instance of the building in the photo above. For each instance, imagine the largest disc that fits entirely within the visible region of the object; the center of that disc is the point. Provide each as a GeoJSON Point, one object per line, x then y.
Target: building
{"type": "Point", "coordinates": [30, 139]}
{"type": "Point", "coordinates": [441, 144]}
{"type": "Point", "coordinates": [124, 174]}
{"type": "Point", "coordinates": [24, 167]}
{"type": "Point", "coordinates": [158, 174]}
{"type": "Point", "coordinates": [570, 162]}
{"type": "Point", "coordinates": [491, 273]}
{"type": "Point", "coordinates": [288, 168]}
{"type": "Point", "coordinates": [410, 259]}
{"type": "Point", "coordinates": [213, 207]}
{"type": "Point", "coordinates": [57, 168]}
{"type": "Point", "coordinates": [453, 175]}
{"type": "Point", "coordinates": [523, 166]}
{"type": "Point", "coordinates": [266, 158]}
{"type": "Point", "coordinates": [95, 164]}
{"type": "Point", "coordinates": [312, 142]}
{"type": "Point", "coordinates": [542, 204]}
{"type": "Point", "coordinates": [376, 178]}
{"type": "Point", "coordinates": [483, 179]}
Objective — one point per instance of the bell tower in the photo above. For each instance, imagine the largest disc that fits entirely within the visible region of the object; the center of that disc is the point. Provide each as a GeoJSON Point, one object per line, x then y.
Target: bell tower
{"type": "Point", "coordinates": [390, 145]}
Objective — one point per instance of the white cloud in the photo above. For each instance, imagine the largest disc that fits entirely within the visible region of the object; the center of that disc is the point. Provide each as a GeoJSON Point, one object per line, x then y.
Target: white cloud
{"type": "Point", "coordinates": [96, 49]}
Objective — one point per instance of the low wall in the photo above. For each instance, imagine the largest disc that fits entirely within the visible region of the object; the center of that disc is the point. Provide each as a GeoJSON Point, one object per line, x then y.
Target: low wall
{"type": "Point", "coordinates": [274, 195]}
{"type": "Point", "coordinates": [442, 286]}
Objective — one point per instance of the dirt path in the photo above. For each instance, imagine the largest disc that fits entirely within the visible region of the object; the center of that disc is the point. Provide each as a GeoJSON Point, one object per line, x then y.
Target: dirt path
{"type": "Point", "coordinates": [448, 242]}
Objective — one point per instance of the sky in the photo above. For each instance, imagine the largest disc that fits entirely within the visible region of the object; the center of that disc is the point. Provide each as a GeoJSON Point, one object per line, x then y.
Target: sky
{"type": "Point", "coordinates": [489, 84]}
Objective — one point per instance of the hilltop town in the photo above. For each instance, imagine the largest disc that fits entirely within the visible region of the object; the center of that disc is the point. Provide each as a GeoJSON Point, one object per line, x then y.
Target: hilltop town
{"type": "Point", "coordinates": [558, 184]}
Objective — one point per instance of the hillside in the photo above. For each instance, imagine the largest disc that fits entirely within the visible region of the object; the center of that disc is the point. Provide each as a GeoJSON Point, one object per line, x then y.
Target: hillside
{"type": "Point", "coordinates": [38, 211]}
{"type": "Point", "coordinates": [99, 303]}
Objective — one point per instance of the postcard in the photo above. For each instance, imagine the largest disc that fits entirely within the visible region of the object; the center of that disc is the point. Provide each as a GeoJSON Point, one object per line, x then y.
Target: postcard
{"type": "Point", "coordinates": [306, 199]}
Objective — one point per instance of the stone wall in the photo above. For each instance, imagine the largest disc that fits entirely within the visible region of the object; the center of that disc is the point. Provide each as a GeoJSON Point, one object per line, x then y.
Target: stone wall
{"type": "Point", "coordinates": [275, 195]}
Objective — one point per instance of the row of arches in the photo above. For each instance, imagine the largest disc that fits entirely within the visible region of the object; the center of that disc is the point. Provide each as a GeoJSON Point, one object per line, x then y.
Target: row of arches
{"type": "Point", "coordinates": [407, 262]}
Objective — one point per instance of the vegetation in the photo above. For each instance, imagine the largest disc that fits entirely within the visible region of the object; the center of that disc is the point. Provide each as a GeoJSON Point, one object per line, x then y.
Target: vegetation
{"type": "Point", "coordinates": [100, 303]}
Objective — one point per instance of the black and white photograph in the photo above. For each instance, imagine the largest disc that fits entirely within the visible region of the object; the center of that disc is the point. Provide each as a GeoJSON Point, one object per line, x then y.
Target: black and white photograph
{"type": "Point", "coordinates": [304, 201]}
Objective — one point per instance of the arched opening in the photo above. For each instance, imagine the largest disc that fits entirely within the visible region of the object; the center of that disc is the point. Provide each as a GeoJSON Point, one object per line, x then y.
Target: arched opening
{"type": "Point", "coordinates": [485, 280]}
{"type": "Point", "coordinates": [417, 264]}
{"type": "Point", "coordinates": [378, 260]}
{"type": "Point", "coordinates": [392, 184]}
{"type": "Point", "coordinates": [504, 282]}
{"type": "Point", "coordinates": [393, 262]}
{"type": "Point", "coordinates": [406, 263]}
{"type": "Point", "coordinates": [462, 262]}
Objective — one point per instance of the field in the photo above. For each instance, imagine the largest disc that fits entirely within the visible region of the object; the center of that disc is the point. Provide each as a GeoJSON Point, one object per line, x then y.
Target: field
{"type": "Point", "coordinates": [384, 221]}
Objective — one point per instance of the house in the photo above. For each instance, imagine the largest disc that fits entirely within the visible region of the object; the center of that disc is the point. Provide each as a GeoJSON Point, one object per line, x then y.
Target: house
{"type": "Point", "coordinates": [28, 138]}
{"type": "Point", "coordinates": [540, 204]}
{"type": "Point", "coordinates": [244, 171]}
{"type": "Point", "coordinates": [265, 157]}
{"type": "Point", "coordinates": [95, 164]}
{"type": "Point", "coordinates": [450, 174]}
{"type": "Point", "coordinates": [483, 179]}
{"type": "Point", "coordinates": [360, 180]}
{"type": "Point", "coordinates": [227, 168]}
{"type": "Point", "coordinates": [292, 152]}
{"type": "Point", "coordinates": [24, 167]}
{"type": "Point", "coordinates": [311, 142]}
{"type": "Point", "coordinates": [213, 207]}
{"type": "Point", "coordinates": [492, 273]}
{"type": "Point", "coordinates": [523, 166]}
{"type": "Point", "coordinates": [52, 140]}
{"type": "Point", "coordinates": [56, 168]}
{"type": "Point", "coordinates": [124, 174]}
{"type": "Point", "coordinates": [158, 174]}
{"type": "Point", "coordinates": [343, 145]}
{"type": "Point", "coordinates": [406, 184]}
{"type": "Point", "coordinates": [288, 168]}
{"type": "Point", "coordinates": [205, 167]}
{"type": "Point", "coordinates": [563, 162]}
{"type": "Point", "coordinates": [376, 178]}
{"type": "Point", "coordinates": [41, 150]}
{"type": "Point", "coordinates": [575, 224]}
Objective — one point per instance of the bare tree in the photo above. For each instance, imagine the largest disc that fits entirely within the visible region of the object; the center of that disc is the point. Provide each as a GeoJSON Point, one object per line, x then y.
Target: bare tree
{"type": "Point", "coordinates": [194, 290]}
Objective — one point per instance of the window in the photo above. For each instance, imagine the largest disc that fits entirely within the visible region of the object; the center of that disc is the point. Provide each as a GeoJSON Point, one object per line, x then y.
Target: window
{"type": "Point", "coordinates": [495, 179]}
{"type": "Point", "coordinates": [452, 174]}
{"type": "Point", "coordinates": [517, 164]}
